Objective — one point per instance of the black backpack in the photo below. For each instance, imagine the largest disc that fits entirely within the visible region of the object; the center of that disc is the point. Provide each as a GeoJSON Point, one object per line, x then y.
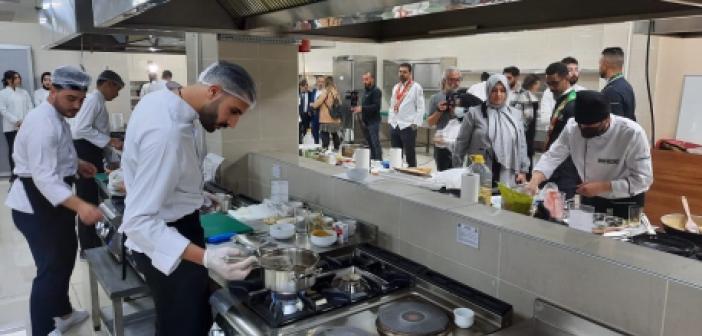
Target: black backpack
{"type": "Point", "coordinates": [335, 111]}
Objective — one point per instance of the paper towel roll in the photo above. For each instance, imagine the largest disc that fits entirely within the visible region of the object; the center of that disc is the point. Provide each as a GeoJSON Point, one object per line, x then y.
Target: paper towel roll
{"type": "Point", "coordinates": [362, 158]}
{"type": "Point", "coordinates": [396, 157]}
{"type": "Point", "coordinates": [470, 187]}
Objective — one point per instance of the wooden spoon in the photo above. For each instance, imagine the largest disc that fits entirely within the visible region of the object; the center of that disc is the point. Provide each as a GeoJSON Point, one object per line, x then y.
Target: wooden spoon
{"type": "Point", "coordinates": [690, 225]}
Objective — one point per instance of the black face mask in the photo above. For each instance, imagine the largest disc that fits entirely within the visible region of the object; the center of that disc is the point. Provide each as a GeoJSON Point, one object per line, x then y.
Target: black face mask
{"type": "Point", "coordinates": [589, 133]}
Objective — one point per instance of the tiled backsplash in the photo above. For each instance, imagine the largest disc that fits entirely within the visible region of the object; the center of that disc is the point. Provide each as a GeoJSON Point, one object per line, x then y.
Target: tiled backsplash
{"type": "Point", "coordinates": [634, 289]}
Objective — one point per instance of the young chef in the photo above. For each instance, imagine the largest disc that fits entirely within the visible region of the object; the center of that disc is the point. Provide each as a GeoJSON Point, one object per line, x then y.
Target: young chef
{"type": "Point", "coordinates": [611, 154]}
{"type": "Point", "coordinates": [91, 135]}
{"type": "Point", "coordinates": [162, 166]}
{"type": "Point", "coordinates": [43, 204]}
{"type": "Point", "coordinates": [42, 93]}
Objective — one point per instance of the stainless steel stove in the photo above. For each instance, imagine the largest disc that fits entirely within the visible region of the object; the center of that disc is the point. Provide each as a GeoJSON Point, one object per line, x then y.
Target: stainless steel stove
{"type": "Point", "coordinates": [362, 291]}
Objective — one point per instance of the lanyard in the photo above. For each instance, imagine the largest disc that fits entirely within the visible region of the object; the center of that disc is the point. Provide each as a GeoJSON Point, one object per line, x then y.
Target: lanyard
{"type": "Point", "coordinates": [615, 77]}
{"type": "Point", "coordinates": [401, 94]}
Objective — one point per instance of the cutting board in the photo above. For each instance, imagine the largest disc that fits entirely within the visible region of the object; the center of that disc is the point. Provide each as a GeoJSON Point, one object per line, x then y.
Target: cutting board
{"type": "Point", "coordinates": [415, 171]}
{"type": "Point", "coordinates": [217, 223]}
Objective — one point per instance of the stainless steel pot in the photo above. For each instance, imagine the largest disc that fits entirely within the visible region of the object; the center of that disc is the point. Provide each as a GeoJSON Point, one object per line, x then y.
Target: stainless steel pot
{"type": "Point", "coordinates": [298, 274]}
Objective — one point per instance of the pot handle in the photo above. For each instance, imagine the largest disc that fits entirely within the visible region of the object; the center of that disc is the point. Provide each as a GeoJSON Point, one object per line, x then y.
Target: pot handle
{"type": "Point", "coordinates": [313, 273]}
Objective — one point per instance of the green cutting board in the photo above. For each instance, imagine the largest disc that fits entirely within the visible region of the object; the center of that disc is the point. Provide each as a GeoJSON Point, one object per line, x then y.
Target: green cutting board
{"type": "Point", "coordinates": [217, 223]}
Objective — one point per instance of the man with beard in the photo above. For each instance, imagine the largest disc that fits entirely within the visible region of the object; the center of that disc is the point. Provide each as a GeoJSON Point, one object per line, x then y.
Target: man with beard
{"type": "Point", "coordinates": [618, 90]}
{"type": "Point", "coordinates": [406, 114]}
{"type": "Point", "coordinates": [370, 115]}
{"type": "Point", "coordinates": [43, 203]}
{"type": "Point", "coordinates": [162, 167]}
{"type": "Point", "coordinates": [611, 154]}
{"type": "Point", "coordinates": [442, 113]}
{"type": "Point", "coordinates": [548, 101]}
{"type": "Point", "coordinates": [42, 93]}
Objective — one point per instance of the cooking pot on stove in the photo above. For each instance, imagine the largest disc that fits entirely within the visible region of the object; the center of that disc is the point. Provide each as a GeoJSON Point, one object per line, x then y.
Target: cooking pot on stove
{"type": "Point", "coordinates": [297, 273]}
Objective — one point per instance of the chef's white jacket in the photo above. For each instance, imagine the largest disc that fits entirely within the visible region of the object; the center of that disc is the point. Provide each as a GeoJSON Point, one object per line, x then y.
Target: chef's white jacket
{"type": "Point", "coordinates": [40, 96]}
{"type": "Point", "coordinates": [92, 122]}
{"type": "Point", "coordinates": [43, 151]}
{"type": "Point", "coordinates": [162, 168]}
{"type": "Point", "coordinates": [548, 103]}
{"type": "Point", "coordinates": [154, 86]}
{"type": "Point", "coordinates": [620, 155]}
{"type": "Point", "coordinates": [14, 106]}
{"type": "Point", "coordinates": [411, 109]}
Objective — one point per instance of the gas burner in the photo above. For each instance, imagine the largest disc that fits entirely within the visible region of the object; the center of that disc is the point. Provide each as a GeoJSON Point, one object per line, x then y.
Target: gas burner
{"type": "Point", "coordinates": [411, 318]}
{"type": "Point", "coordinates": [286, 304]}
{"type": "Point", "coordinates": [340, 331]}
{"type": "Point", "coordinates": [352, 284]}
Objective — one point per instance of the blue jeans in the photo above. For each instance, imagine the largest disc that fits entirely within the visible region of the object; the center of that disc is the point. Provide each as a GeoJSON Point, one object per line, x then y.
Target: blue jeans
{"type": "Point", "coordinates": [371, 133]}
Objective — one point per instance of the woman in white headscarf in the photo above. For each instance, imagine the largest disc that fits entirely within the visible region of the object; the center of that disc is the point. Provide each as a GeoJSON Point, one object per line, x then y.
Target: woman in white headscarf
{"type": "Point", "coordinates": [496, 131]}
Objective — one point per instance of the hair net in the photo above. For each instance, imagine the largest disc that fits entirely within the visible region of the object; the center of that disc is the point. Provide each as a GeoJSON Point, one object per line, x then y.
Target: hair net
{"type": "Point", "coordinates": [70, 77]}
{"type": "Point", "coordinates": [109, 75]}
{"type": "Point", "coordinates": [233, 79]}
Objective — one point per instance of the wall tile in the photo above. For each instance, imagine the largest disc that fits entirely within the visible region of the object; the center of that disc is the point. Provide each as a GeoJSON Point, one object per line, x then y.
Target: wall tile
{"type": "Point", "coordinates": [238, 50]}
{"type": "Point", "coordinates": [683, 311]}
{"type": "Point", "coordinates": [235, 175]}
{"type": "Point", "coordinates": [278, 52]}
{"type": "Point", "coordinates": [435, 230]}
{"type": "Point", "coordinates": [614, 295]}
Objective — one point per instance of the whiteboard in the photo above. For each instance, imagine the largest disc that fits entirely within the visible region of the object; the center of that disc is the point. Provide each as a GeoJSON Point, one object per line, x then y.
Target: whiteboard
{"type": "Point", "coordinates": [690, 114]}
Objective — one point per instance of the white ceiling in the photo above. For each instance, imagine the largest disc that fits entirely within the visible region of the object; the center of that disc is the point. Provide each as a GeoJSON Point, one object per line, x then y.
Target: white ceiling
{"type": "Point", "coordinates": [18, 10]}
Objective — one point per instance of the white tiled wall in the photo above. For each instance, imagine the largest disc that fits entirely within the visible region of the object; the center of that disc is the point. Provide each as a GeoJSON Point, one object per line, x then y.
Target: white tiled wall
{"type": "Point", "coordinates": [518, 259]}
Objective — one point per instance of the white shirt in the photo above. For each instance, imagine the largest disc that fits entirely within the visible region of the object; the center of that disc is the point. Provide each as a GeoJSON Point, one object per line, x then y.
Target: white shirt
{"type": "Point", "coordinates": [478, 90]}
{"type": "Point", "coordinates": [43, 151]}
{"type": "Point", "coordinates": [152, 87]}
{"type": "Point", "coordinates": [162, 168]}
{"type": "Point", "coordinates": [620, 155]}
{"type": "Point", "coordinates": [548, 103]}
{"type": "Point", "coordinates": [14, 106]}
{"type": "Point", "coordinates": [411, 109]}
{"type": "Point", "coordinates": [40, 96]}
{"type": "Point", "coordinates": [92, 122]}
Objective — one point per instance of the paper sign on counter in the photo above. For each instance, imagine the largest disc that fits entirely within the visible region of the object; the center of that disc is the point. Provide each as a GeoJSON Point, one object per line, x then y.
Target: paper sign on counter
{"type": "Point", "coordinates": [468, 235]}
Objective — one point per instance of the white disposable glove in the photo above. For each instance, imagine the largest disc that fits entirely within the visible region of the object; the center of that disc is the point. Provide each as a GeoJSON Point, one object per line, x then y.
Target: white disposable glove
{"type": "Point", "coordinates": [215, 260]}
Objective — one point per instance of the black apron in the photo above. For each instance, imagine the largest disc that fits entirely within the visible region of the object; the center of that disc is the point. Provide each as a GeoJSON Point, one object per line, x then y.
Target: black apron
{"type": "Point", "coordinates": [181, 298]}
{"type": "Point", "coordinates": [619, 207]}
{"type": "Point", "coordinates": [87, 189]}
{"type": "Point", "coordinates": [50, 233]}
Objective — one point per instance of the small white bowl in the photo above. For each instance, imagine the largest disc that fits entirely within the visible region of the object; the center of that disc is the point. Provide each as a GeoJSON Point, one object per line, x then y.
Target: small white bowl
{"type": "Point", "coordinates": [327, 220]}
{"type": "Point", "coordinates": [463, 317]}
{"type": "Point", "coordinates": [324, 241]}
{"type": "Point", "coordinates": [282, 231]}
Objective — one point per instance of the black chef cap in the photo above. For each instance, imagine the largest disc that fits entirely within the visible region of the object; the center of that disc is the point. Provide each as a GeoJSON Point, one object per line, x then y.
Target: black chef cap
{"type": "Point", "coordinates": [591, 107]}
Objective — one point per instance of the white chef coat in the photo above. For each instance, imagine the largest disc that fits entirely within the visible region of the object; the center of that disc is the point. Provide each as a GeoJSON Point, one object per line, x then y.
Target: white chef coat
{"type": "Point", "coordinates": [478, 90]}
{"type": "Point", "coordinates": [162, 168]}
{"type": "Point", "coordinates": [14, 106]}
{"type": "Point", "coordinates": [548, 103]}
{"type": "Point", "coordinates": [411, 109]}
{"type": "Point", "coordinates": [40, 96]}
{"type": "Point", "coordinates": [152, 87]}
{"type": "Point", "coordinates": [43, 151]}
{"type": "Point", "coordinates": [92, 122]}
{"type": "Point", "coordinates": [620, 155]}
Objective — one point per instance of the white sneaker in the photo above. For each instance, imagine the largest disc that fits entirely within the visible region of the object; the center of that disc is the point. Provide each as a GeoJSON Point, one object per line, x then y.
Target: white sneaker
{"type": "Point", "coordinates": [55, 332]}
{"type": "Point", "coordinates": [76, 317]}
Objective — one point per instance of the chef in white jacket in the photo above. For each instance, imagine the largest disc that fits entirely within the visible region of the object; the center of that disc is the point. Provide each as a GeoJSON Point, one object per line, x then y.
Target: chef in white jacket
{"type": "Point", "coordinates": [42, 93]}
{"type": "Point", "coordinates": [611, 154]}
{"type": "Point", "coordinates": [162, 167]}
{"type": "Point", "coordinates": [91, 136]}
{"type": "Point", "coordinates": [406, 113]}
{"type": "Point", "coordinates": [43, 204]}
{"type": "Point", "coordinates": [15, 103]}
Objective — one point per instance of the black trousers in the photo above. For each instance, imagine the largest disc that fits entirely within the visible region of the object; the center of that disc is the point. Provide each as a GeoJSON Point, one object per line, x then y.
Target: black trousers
{"type": "Point", "coordinates": [371, 132]}
{"type": "Point", "coordinates": [620, 206]}
{"type": "Point", "coordinates": [443, 158]}
{"type": "Point", "coordinates": [407, 140]}
{"type": "Point", "coordinates": [566, 177]}
{"type": "Point", "coordinates": [303, 125]}
{"type": "Point", "coordinates": [334, 136]}
{"type": "Point", "coordinates": [87, 189]}
{"type": "Point", "coordinates": [50, 233]}
{"type": "Point", "coordinates": [10, 137]}
{"type": "Point", "coordinates": [181, 298]}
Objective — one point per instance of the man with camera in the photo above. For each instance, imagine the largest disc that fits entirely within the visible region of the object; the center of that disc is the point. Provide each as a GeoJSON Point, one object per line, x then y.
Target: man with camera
{"type": "Point", "coordinates": [444, 108]}
{"type": "Point", "coordinates": [370, 115]}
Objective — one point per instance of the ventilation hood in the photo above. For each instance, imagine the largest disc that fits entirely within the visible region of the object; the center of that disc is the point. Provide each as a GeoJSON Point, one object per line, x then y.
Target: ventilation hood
{"type": "Point", "coordinates": [690, 26]}
{"type": "Point", "coordinates": [380, 21]}
{"type": "Point", "coordinates": [68, 25]}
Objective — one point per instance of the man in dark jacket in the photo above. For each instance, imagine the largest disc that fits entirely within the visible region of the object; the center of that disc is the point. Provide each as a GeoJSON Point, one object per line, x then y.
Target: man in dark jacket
{"type": "Point", "coordinates": [304, 109]}
{"type": "Point", "coordinates": [618, 90]}
{"type": "Point", "coordinates": [370, 115]}
{"type": "Point", "coordinates": [565, 176]}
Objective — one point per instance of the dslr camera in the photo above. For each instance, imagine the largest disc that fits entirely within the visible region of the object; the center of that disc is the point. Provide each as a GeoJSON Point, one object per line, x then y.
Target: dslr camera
{"type": "Point", "coordinates": [352, 95]}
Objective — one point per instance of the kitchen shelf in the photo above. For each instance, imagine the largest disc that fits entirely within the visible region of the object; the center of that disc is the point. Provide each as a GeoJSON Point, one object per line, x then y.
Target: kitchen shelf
{"type": "Point", "coordinates": [139, 317]}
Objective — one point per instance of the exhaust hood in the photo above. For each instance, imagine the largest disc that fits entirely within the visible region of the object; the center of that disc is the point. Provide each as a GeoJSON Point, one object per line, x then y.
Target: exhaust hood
{"type": "Point", "coordinates": [690, 26]}
{"type": "Point", "coordinates": [68, 25]}
{"type": "Point", "coordinates": [380, 20]}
